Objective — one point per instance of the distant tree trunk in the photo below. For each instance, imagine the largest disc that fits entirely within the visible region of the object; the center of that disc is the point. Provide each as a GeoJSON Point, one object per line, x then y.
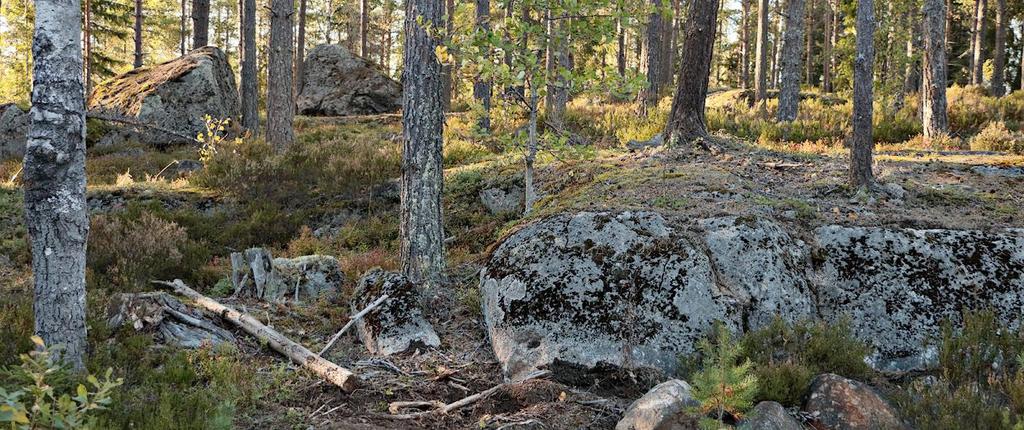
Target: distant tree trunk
{"type": "Point", "coordinates": [248, 82]}
{"type": "Point", "coordinates": [531, 152]}
{"type": "Point", "coordinates": [655, 61]}
{"type": "Point", "coordinates": [828, 57]}
{"type": "Point", "coordinates": [933, 78]}
{"type": "Point", "coordinates": [911, 72]}
{"type": "Point", "coordinates": [776, 58]}
{"type": "Point", "coordinates": [481, 86]}
{"type": "Point", "coordinates": [620, 53]}
{"type": "Point", "coordinates": [280, 102]}
{"type": "Point", "coordinates": [422, 229]}
{"type": "Point", "coordinates": [761, 63]}
{"type": "Point", "coordinates": [184, 29]}
{"type": "Point", "coordinates": [447, 71]}
{"type": "Point", "coordinates": [138, 34]}
{"type": "Point", "coordinates": [978, 44]}
{"type": "Point", "coordinates": [862, 142]}
{"type": "Point", "coordinates": [56, 213]}
{"type": "Point", "coordinates": [557, 60]}
{"type": "Point", "coordinates": [999, 56]}
{"type": "Point", "coordinates": [87, 48]}
{"type": "Point", "coordinates": [808, 46]}
{"type": "Point", "coordinates": [300, 49]}
{"type": "Point", "coordinates": [745, 44]}
{"type": "Point", "coordinates": [364, 25]}
{"type": "Point", "coordinates": [686, 121]}
{"type": "Point", "coordinates": [789, 82]}
{"type": "Point", "coordinates": [200, 23]}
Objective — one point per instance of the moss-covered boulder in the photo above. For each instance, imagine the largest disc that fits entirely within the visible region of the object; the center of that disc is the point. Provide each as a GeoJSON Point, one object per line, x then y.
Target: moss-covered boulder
{"type": "Point", "coordinates": [176, 96]}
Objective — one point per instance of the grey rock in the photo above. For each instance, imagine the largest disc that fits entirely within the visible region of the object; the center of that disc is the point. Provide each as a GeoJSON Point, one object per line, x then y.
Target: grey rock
{"type": "Point", "coordinates": [337, 82]}
{"type": "Point", "coordinates": [398, 325]}
{"type": "Point", "coordinates": [596, 288]}
{"type": "Point", "coordinates": [167, 318]}
{"type": "Point", "coordinates": [894, 191]}
{"type": "Point", "coordinates": [844, 404]}
{"type": "Point", "coordinates": [769, 416]}
{"type": "Point", "coordinates": [255, 274]}
{"type": "Point", "coordinates": [499, 201]}
{"type": "Point", "coordinates": [175, 95]}
{"type": "Point", "coordinates": [184, 168]}
{"type": "Point", "coordinates": [14, 124]}
{"type": "Point", "coordinates": [664, 407]}
{"type": "Point", "coordinates": [898, 285]}
{"type": "Point", "coordinates": [636, 145]}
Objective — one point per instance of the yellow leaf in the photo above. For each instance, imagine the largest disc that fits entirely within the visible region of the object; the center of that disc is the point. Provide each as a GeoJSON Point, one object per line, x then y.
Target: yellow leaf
{"type": "Point", "coordinates": [38, 341]}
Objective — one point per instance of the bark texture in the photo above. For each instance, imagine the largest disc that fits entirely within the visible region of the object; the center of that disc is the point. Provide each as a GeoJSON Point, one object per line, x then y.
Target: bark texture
{"type": "Point", "coordinates": [482, 86]}
{"type": "Point", "coordinates": [558, 60]}
{"type": "Point", "coordinates": [686, 120]}
{"type": "Point", "coordinates": [421, 228]}
{"type": "Point", "coordinates": [137, 62]}
{"type": "Point", "coordinates": [978, 43]}
{"type": "Point", "coordinates": [280, 101]}
{"type": "Point", "coordinates": [200, 23]}
{"type": "Point", "coordinates": [862, 142]}
{"type": "Point", "coordinates": [828, 51]}
{"type": "Point", "coordinates": [54, 173]}
{"type": "Point", "coordinates": [934, 115]}
{"type": "Point", "coordinates": [761, 63]}
{"type": "Point", "coordinates": [999, 53]}
{"type": "Point", "coordinates": [657, 55]}
{"type": "Point", "coordinates": [745, 43]}
{"type": "Point", "coordinates": [364, 21]}
{"type": "Point", "coordinates": [789, 94]}
{"type": "Point", "coordinates": [249, 82]}
{"type": "Point", "coordinates": [300, 48]}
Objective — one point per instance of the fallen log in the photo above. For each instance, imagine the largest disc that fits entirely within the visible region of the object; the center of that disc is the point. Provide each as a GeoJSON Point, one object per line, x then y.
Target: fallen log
{"type": "Point", "coordinates": [333, 373]}
{"type": "Point", "coordinates": [442, 409]}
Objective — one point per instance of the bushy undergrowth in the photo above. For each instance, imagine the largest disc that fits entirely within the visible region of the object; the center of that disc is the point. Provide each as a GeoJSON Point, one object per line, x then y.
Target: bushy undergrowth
{"type": "Point", "coordinates": [128, 253]}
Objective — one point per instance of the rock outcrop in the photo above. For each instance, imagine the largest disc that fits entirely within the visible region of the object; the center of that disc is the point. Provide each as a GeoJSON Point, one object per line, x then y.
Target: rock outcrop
{"type": "Point", "coordinates": [14, 124]}
{"type": "Point", "coordinates": [176, 95]}
{"type": "Point", "coordinates": [637, 289]}
{"type": "Point", "coordinates": [843, 404]}
{"type": "Point", "coordinates": [664, 407]}
{"type": "Point", "coordinates": [398, 324]}
{"type": "Point", "coordinates": [336, 82]}
{"type": "Point", "coordinates": [254, 273]}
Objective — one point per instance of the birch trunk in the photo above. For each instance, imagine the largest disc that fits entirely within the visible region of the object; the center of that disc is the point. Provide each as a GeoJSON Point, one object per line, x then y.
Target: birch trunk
{"type": "Point", "coordinates": [421, 228]}
{"type": "Point", "coordinates": [249, 83]}
{"type": "Point", "coordinates": [862, 142]}
{"type": "Point", "coordinates": [280, 102]}
{"type": "Point", "coordinates": [934, 115]}
{"type": "Point", "coordinates": [686, 120]}
{"type": "Point", "coordinates": [789, 94]}
{"type": "Point", "coordinates": [54, 173]}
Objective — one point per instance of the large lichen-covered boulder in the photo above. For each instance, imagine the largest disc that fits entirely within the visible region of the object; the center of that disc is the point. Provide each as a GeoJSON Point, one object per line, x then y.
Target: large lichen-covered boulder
{"type": "Point", "coordinates": [14, 124]}
{"type": "Point", "coordinates": [590, 288]}
{"type": "Point", "coordinates": [897, 286]}
{"type": "Point", "coordinates": [176, 95]}
{"type": "Point", "coordinates": [337, 82]}
{"type": "Point", "coordinates": [397, 324]}
{"type": "Point", "coordinates": [255, 274]}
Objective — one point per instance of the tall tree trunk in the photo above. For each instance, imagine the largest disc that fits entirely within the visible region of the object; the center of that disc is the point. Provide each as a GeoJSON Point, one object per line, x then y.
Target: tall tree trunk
{"type": "Point", "coordinates": [531, 152]}
{"type": "Point", "coordinates": [447, 71]}
{"type": "Point", "coordinates": [482, 86]}
{"type": "Point", "coordinates": [978, 44]}
{"type": "Point", "coordinates": [56, 214]}
{"type": "Point", "coordinates": [364, 25]}
{"type": "Point", "coordinates": [138, 35]}
{"type": "Point", "coordinates": [200, 23]}
{"type": "Point", "coordinates": [761, 63]}
{"type": "Point", "coordinates": [935, 117]}
{"type": "Point", "coordinates": [280, 101]}
{"type": "Point", "coordinates": [999, 56]}
{"type": "Point", "coordinates": [862, 142]}
{"type": "Point", "coordinates": [789, 83]}
{"type": "Point", "coordinates": [422, 229]}
{"type": "Point", "coordinates": [87, 48]}
{"type": "Point", "coordinates": [656, 39]}
{"type": "Point", "coordinates": [911, 72]}
{"type": "Point", "coordinates": [620, 52]}
{"type": "Point", "coordinates": [745, 44]}
{"type": "Point", "coordinates": [300, 49]}
{"type": "Point", "coordinates": [776, 59]}
{"type": "Point", "coordinates": [184, 28]}
{"type": "Point", "coordinates": [828, 52]}
{"type": "Point", "coordinates": [686, 121]}
{"type": "Point", "coordinates": [808, 38]}
{"type": "Point", "coordinates": [248, 82]}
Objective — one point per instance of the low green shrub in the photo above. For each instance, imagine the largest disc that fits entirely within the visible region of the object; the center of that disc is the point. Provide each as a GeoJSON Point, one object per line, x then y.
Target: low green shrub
{"type": "Point", "coordinates": [128, 252]}
{"type": "Point", "coordinates": [725, 384]}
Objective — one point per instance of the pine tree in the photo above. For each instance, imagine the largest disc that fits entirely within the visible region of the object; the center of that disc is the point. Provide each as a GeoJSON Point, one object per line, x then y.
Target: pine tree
{"type": "Point", "coordinates": [724, 385]}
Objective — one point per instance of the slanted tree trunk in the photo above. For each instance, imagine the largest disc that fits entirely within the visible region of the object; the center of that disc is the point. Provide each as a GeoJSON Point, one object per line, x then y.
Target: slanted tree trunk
{"type": "Point", "coordinates": [364, 25]}
{"type": "Point", "coordinates": [138, 35]}
{"type": "Point", "coordinates": [656, 38]}
{"type": "Point", "coordinates": [934, 115]}
{"type": "Point", "coordinates": [789, 84]}
{"type": "Point", "coordinates": [686, 120]}
{"type": "Point", "coordinates": [482, 86]}
{"type": "Point", "coordinates": [999, 54]}
{"type": "Point", "coordinates": [200, 23]}
{"type": "Point", "coordinates": [56, 214]}
{"type": "Point", "coordinates": [862, 142]}
{"type": "Point", "coordinates": [300, 49]}
{"type": "Point", "coordinates": [745, 44]}
{"type": "Point", "coordinates": [978, 43]}
{"type": "Point", "coordinates": [421, 228]}
{"type": "Point", "coordinates": [761, 63]}
{"type": "Point", "coordinates": [280, 102]}
{"type": "Point", "coordinates": [248, 82]}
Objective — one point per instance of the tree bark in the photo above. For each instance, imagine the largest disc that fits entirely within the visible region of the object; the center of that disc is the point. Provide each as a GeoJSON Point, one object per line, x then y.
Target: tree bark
{"type": "Point", "coordinates": [87, 47]}
{"type": "Point", "coordinates": [184, 29]}
{"type": "Point", "coordinates": [862, 142]}
{"type": "Point", "coordinates": [686, 120]}
{"type": "Point", "coordinates": [300, 49]}
{"type": "Point", "coordinates": [789, 82]}
{"type": "Point", "coordinates": [280, 102]}
{"type": "Point", "coordinates": [249, 83]}
{"type": "Point", "coordinates": [831, 37]}
{"type": "Point", "coordinates": [656, 39]}
{"type": "Point", "coordinates": [138, 35]}
{"type": "Point", "coordinates": [934, 115]}
{"type": "Point", "coordinates": [745, 44]}
{"type": "Point", "coordinates": [761, 62]}
{"type": "Point", "coordinates": [620, 53]}
{"type": "Point", "coordinates": [808, 41]}
{"type": "Point", "coordinates": [999, 55]}
{"type": "Point", "coordinates": [481, 86]}
{"type": "Point", "coordinates": [558, 87]}
{"type": "Point", "coordinates": [364, 25]}
{"type": "Point", "coordinates": [530, 196]}
{"type": "Point", "coordinates": [200, 23]}
{"type": "Point", "coordinates": [447, 71]}
{"type": "Point", "coordinates": [422, 229]}
{"type": "Point", "coordinates": [56, 214]}
{"type": "Point", "coordinates": [978, 44]}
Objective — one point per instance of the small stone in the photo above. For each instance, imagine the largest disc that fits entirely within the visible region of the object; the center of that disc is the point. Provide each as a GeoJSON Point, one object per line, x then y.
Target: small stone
{"type": "Point", "coordinates": [664, 407]}
{"type": "Point", "coordinates": [655, 141]}
{"type": "Point", "coordinates": [844, 404]}
{"type": "Point", "coordinates": [769, 416]}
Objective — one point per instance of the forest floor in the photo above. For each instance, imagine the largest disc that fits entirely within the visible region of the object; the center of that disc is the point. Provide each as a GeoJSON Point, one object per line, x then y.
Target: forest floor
{"type": "Point", "coordinates": [332, 196]}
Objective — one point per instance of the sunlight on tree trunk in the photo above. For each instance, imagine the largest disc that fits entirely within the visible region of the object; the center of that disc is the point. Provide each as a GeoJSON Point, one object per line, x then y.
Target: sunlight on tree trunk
{"type": "Point", "coordinates": [862, 142]}
{"type": "Point", "coordinates": [789, 94]}
{"type": "Point", "coordinates": [934, 115]}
